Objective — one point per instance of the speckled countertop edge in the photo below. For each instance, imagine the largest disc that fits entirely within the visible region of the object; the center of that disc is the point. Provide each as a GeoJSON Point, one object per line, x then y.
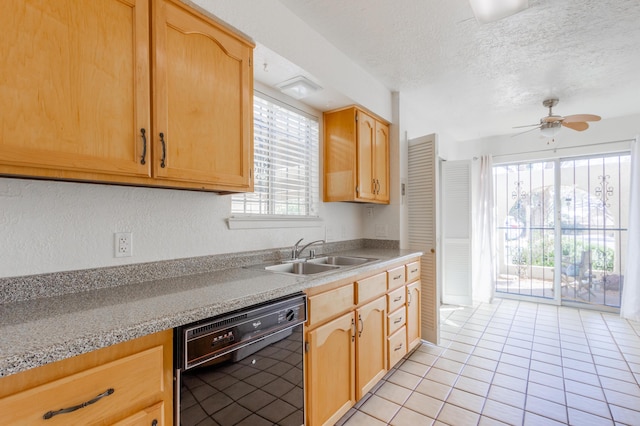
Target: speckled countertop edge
{"type": "Point", "coordinates": [39, 331]}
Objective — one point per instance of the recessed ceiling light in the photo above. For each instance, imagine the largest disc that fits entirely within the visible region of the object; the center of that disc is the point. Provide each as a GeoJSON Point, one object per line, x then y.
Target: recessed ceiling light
{"type": "Point", "coordinates": [298, 87]}
{"type": "Point", "coordinates": [492, 10]}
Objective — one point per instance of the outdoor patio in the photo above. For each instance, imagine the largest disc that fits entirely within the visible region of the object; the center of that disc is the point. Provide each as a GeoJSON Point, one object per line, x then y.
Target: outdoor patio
{"type": "Point", "coordinates": [596, 292]}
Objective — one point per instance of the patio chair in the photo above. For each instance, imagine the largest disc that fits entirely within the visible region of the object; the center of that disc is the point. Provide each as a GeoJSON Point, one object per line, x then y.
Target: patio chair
{"type": "Point", "coordinates": [579, 276]}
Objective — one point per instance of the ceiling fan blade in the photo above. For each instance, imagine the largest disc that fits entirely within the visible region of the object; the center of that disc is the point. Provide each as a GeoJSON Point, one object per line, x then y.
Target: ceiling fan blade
{"type": "Point", "coordinates": [526, 125]}
{"type": "Point", "coordinates": [578, 125]}
{"type": "Point", "coordinates": [526, 131]}
{"type": "Point", "coordinates": [581, 117]}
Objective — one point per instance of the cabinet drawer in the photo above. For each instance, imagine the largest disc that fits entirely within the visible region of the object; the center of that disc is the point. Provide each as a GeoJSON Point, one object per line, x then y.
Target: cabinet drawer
{"type": "Point", "coordinates": [395, 299]}
{"type": "Point", "coordinates": [326, 305]}
{"type": "Point", "coordinates": [396, 320]}
{"type": "Point", "coordinates": [397, 346]}
{"type": "Point", "coordinates": [413, 271]}
{"type": "Point", "coordinates": [371, 287]}
{"type": "Point", "coordinates": [145, 417]}
{"type": "Point", "coordinates": [396, 277]}
{"type": "Point", "coordinates": [123, 384]}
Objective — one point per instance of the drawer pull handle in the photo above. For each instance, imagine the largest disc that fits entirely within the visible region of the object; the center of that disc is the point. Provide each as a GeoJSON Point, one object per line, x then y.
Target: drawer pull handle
{"type": "Point", "coordinates": [143, 132]}
{"type": "Point", "coordinates": [398, 348]}
{"type": "Point", "coordinates": [50, 414]}
{"type": "Point", "coordinates": [164, 151]}
{"type": "Point", "coordinates": [398, 320]}
{"type": "Point", "coordinates": [361, 326]}
{"type": "Point", "coordinates": [413, 271]}
{"type": "Point", "coordinates": [397, 277]}
{"type": "Point", "coordinates": [397, 299]}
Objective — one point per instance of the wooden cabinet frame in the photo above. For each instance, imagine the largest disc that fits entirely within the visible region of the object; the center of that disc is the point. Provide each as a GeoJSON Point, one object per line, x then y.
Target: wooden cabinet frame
{"type": "Point", "coordinates": [79, 103]}
{"type": "Point", "coordinates": [356, 156]}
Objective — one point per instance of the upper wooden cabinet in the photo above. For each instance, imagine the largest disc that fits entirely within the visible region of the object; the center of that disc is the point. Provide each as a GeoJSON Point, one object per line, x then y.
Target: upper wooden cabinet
{"type": "Point", "coordinates": [203, 97]}
{"type": "Point", "coordinates": [356, 157]}
{"type": "Point", "coordinates": [75, 89]}
{"type": "Point", "coordinates": [77, 96]}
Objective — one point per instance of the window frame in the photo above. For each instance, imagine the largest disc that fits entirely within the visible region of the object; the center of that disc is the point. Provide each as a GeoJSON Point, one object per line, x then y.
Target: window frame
{"type": "Point", "coordinates": [238, 220]}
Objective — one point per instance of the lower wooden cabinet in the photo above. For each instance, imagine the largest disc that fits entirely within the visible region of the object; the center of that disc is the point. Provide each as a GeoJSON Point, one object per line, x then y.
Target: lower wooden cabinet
{"type": "Point", "coordinates": [127, 384]}
{"type": "Point", "coordinates": [371, 345]}
{"type": "Point", "coordinates": [397, 346]}
{"type": "Point", "coordinates": [356, 331]}
{"type": "Point", "coordinates": [331, 357]}
{"type": "Point", "coordinates": [413, 314]}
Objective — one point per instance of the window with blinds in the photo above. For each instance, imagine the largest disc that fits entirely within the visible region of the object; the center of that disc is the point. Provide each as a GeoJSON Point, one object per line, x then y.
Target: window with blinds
{"type": "Point", "coordinates": [285, 162]}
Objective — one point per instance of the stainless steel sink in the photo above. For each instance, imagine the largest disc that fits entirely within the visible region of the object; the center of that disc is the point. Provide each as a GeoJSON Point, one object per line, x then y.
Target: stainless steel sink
{"type": "Point", "coordinates": [340, 260]}
{"type": "Point", "coordinates": [301, 268]}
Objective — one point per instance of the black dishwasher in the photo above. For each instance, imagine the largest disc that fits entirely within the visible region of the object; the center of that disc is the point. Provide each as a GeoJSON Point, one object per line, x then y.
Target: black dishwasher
{"type": "Point", "coordinates": [242, 368]}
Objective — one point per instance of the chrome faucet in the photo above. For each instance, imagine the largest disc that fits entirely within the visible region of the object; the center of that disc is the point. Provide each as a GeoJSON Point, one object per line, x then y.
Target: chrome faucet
{"type": "Point", "coordinates": [295, 252]}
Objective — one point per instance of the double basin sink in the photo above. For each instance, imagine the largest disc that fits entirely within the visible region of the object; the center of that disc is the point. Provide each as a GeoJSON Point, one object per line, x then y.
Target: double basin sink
{"type": "Point", "coordinates": [317, 265]}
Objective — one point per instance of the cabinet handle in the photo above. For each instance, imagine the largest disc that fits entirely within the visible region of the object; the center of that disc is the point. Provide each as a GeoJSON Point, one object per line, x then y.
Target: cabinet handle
{"type": "Point", "coordinates": [398, 348]}
{"type": "Point", "coordinates": [373, 186]}
{"type": "Point", "coordinates": [154, 422]}
{"type": "Point", "coordinates": [164, 150]}
{"type": "Point", "coordinates": [50, 414]}
{"type": "Point", "coordinates": [409, 299]}
{"type": "Point", "coordinates": [353, 327]}
{"type": "Point", "coordinates": [377, 186]}
{"type": "Point", "coordinates": [398, 320]}
{"type": "Point", "coordinates": [397, 277]}
{"type": "Point", "coordinates": [143, 132]}
{"type": "Point", "coordinates": [413, 271]}
{"type": "Point", "coordinates": [397, 299]}
{"type": "Point", "coordinates": [361, 325]}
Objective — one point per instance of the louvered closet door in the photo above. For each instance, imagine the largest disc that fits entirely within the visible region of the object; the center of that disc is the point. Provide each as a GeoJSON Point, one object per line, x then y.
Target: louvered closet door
{"type": "Point", "coordinates": [421, 202]}
{"type": "Point", "coordinates": [456, 232]}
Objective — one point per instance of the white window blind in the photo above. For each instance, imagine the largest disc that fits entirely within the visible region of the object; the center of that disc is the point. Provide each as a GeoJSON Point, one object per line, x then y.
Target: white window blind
{"type": "Point", "coordinates": [285, 162]}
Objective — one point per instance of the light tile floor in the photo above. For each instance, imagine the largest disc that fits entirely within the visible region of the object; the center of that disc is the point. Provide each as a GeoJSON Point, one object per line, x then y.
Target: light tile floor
{"type": "Point", "coordinates": [516, 363]}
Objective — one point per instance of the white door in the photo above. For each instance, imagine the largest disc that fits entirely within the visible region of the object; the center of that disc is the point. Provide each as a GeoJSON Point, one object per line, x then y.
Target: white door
{"type": "Point", "coordinates": [421, 204]}
{"type": "Point", "coordinates": [456, 232]}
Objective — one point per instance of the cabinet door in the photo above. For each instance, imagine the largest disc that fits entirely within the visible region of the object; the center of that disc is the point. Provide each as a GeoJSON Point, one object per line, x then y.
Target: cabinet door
{"type": "Point", "coordinates": [365, 152]}
{"type": "Point", "coordinates": [331, 370]}
{"type": "Point", "coordinates": [75, 87]}
{"type": "Point", "coordinates": [413, 314]}
{"type": "Point", "coordinates": [371, 345]}
{"type": "Point", "coordinates": [381, 162]}
{"type": "Point", "coordinates": [203, 98]}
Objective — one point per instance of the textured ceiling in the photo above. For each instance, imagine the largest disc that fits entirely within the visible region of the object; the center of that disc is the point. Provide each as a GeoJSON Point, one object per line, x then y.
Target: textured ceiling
{"type": "Point", "coordinates": [479, 80]}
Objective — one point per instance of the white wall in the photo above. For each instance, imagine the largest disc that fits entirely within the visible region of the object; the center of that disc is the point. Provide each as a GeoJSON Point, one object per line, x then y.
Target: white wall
{"type": "Point", "coordinates": [56, 226]}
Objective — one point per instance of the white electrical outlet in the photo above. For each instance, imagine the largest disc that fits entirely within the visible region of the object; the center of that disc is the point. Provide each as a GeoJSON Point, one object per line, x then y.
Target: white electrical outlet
{"type": "Point", "coordinates": [123, 244]}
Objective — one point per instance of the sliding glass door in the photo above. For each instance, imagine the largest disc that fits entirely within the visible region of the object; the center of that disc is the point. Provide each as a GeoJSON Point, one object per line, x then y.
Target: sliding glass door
{"type": "Point", "coordinates": [561, 228]}
{"type": "Point", "coordinates": [525, 228]}
{"type": "Point", "coordinates": [594, 196]}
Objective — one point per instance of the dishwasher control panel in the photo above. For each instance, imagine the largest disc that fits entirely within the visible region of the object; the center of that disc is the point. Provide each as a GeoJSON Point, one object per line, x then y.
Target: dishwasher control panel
{"type": "Point", "coordinates": [213, 338]}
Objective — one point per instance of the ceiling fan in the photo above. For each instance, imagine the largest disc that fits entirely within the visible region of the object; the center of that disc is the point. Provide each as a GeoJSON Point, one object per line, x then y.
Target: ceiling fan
{"type": "Point", "coordinates": [550, 125]}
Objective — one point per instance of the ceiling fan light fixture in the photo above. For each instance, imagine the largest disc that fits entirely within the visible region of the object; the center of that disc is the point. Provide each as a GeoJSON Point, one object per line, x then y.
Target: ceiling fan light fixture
{"type": "Point", "coordinates": [492, 10]}
{"type": "Point", "coordinates": [298, 87]}
{"type": "Point", "coordinates": [551, 129]}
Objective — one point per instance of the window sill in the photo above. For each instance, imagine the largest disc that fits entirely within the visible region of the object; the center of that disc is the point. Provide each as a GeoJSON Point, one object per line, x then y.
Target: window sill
{"type": "Point", "coordinates": [272, 222]}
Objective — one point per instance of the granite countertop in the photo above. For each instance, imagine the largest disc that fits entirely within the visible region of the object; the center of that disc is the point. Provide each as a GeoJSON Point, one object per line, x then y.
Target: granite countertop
{"type": "Point", "coordinates": [38, 331]}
